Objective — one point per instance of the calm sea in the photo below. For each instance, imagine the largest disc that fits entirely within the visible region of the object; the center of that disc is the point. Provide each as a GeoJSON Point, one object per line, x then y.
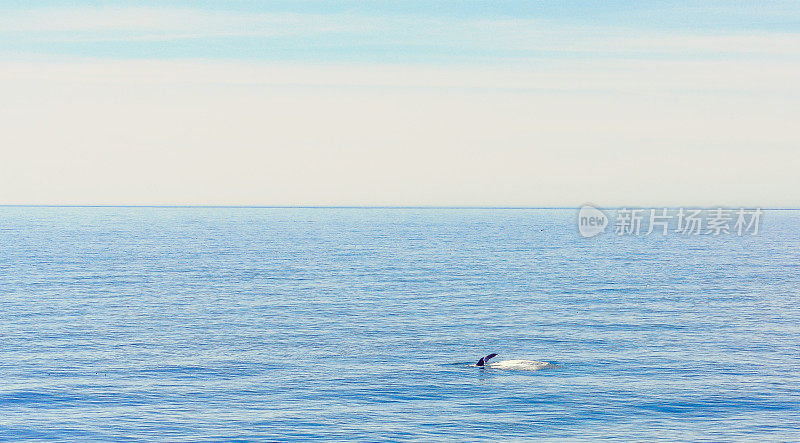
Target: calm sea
{"type": "Point", "coordinates": [195, 324]}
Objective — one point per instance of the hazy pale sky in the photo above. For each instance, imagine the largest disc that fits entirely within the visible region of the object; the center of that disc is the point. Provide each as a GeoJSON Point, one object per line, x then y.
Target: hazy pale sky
{"type": "Point", "coordinates": [400, 103]}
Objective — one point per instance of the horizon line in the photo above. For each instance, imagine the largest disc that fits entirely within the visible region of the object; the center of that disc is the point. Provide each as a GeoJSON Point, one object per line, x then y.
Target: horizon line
{"type": "Point", "coordinates": [188, 206]}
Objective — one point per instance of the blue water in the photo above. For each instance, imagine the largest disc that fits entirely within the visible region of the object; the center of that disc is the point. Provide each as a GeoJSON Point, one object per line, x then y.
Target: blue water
{"type": "Point", "coordinates": [194, 324]}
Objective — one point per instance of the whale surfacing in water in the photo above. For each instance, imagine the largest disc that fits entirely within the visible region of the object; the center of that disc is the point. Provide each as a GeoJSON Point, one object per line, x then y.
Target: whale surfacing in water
{"type": "Point", "coordinates": [482, 362]}
{"type": "Point", "coordinates": [512, 365]}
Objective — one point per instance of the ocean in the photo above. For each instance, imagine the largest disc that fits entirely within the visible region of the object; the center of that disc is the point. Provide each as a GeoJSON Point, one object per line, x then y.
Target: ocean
{"type": "Point", "coordinates": [280, 324]}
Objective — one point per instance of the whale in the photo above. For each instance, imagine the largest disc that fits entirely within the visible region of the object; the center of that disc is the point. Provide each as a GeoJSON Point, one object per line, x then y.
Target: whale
{"type": "Point", "coordinates": [482, 362]}
{"type": "Point", "coordinates": [512, 365]}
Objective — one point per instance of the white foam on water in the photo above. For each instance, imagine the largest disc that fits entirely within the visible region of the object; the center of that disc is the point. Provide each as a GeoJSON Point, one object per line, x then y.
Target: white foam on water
{"type": "Point", "coordinates": [519, 365]}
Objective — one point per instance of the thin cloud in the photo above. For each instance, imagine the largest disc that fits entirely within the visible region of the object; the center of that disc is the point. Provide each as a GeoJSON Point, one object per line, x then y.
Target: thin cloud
{"type": "Point", "coordinates": [407, 35]}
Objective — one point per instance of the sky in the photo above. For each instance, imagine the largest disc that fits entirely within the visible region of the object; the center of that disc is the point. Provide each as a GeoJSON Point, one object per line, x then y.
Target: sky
{"type": "Point", "coordinates": [412, 103]}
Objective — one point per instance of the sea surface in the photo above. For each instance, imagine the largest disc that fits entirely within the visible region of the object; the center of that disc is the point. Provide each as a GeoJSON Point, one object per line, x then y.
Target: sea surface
{"type": "Point", "coordinates": [277, 324]}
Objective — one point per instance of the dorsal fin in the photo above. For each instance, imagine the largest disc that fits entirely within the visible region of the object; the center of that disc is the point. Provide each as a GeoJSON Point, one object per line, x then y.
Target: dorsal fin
{"type": "Point", "coordinates": [484, 360]}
